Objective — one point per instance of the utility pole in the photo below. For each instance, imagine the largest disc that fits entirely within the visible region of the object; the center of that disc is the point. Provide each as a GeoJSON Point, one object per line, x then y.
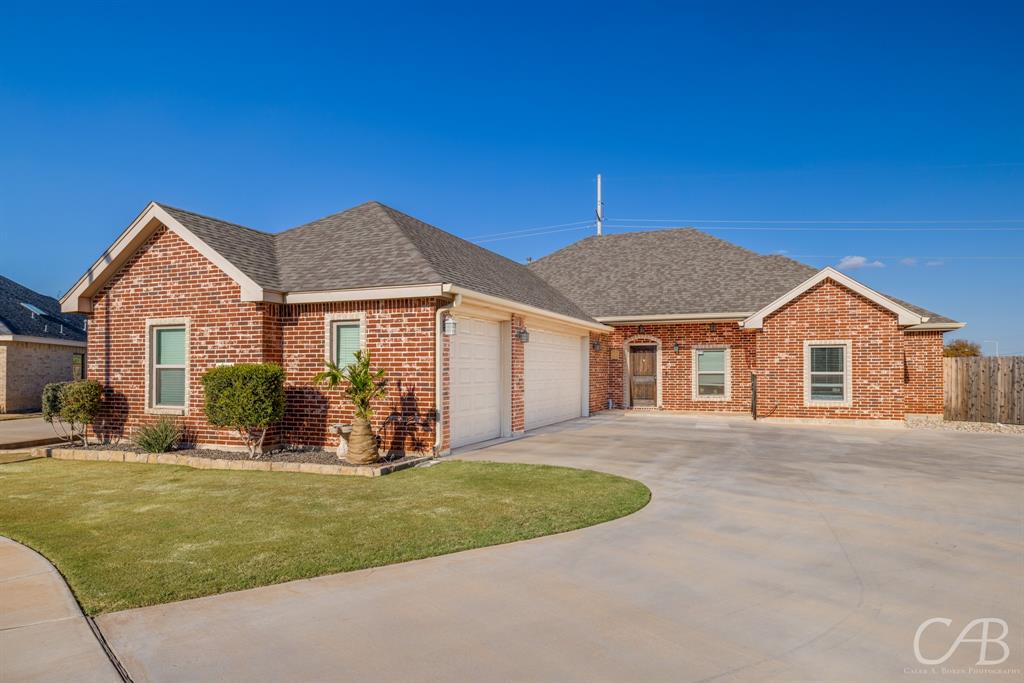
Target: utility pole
{"type": "Point", "coordinates": [600, 207]}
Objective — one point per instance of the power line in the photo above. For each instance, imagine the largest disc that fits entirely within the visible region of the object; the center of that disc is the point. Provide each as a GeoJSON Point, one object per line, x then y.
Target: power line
{"type": "Point", "coordinates": [822, 229]}
{"type": "Point", "coordinates": [540, 227]}
{"type": "Point", "coordinates": [532, 234]}
{"type": "Point", "coordinates": [867, 222]}
{"type": "Point", "coordinates": [932, 258]}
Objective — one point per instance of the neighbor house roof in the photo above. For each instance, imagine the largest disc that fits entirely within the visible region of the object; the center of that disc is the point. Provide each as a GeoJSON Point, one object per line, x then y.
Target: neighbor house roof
{"type": "Point", "coordinates": [365, 247]}
{"type": "Point", "coordinates": [679, 272]}
{"type": "Point", "coordinates": [26, 313]}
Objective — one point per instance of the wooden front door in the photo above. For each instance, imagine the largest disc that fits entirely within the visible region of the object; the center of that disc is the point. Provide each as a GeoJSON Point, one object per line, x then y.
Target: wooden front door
{"type": "Point", "coordinates": [643, 375]}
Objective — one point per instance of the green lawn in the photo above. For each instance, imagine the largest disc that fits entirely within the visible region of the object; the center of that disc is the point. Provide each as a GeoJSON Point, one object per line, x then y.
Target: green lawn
{"type": "Point", "coordinates": [127, 535]}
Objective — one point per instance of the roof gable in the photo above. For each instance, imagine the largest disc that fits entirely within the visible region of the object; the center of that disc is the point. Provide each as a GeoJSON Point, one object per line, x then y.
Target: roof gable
{"type": "Point", "coordinates": [903, 314]}
{"type": "Point", "coordinates": [368, 247]}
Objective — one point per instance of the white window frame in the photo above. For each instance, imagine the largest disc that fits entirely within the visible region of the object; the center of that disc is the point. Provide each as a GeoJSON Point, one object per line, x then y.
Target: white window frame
{"type": "Point", "coordinates": [152, 325]}
{"type": "Point", "coordinates": [331, 320]}
{"type": "Point", "coordinates": [695, 384]}
{"type": "Point", "coordinates": [847, 347]}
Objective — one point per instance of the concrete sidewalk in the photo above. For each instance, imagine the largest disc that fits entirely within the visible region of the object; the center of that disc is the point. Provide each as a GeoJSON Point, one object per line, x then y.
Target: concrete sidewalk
{"type": "Point", "coordinates": [26, 433]}
{"type": "Point", "coordinates": [43, 634]}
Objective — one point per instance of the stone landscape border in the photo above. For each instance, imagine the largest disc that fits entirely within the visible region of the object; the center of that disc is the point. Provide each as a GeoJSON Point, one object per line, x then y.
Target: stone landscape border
{"type": "Point", "coordinates": [223, 464]}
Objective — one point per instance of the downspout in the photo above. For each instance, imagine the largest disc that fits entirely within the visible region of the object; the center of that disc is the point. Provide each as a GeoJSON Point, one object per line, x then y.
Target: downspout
{"type": "Point", "coordinates": [439, 369]}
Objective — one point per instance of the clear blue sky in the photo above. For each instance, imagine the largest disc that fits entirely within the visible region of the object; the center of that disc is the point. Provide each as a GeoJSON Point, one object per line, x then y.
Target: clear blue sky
{"type": "Point", "coordinates": [484, 120]}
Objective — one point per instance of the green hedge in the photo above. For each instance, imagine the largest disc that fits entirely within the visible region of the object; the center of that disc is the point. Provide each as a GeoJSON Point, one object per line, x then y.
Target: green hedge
{"type": "Point", "coordinates": [248, 397]}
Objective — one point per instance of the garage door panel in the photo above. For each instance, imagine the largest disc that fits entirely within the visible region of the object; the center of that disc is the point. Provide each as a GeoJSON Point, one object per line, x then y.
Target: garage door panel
{"type": "Point", "coordinates": [475, 382]}
{"type": "Point", "coordinates": [554, 378]}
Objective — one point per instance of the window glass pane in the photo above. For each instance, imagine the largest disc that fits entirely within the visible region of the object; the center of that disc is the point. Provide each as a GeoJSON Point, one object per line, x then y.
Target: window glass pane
{"type": "Point", "coordinates": [711, 360]}
{"type": "Point", "coordinates": [170, 346]}
{"type": "Point", "coordinates": [170, 387]}
{"type": "Point", "coordinates": [346, 342]}
{"type": "Point", "coordinates": [711, 384]}
{"type": "Point", "coordinates": [827, 358]}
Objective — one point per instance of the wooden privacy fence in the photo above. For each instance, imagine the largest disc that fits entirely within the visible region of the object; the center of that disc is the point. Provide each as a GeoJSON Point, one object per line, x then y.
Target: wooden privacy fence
{"type": "Point", "coordinates": [985, 389]}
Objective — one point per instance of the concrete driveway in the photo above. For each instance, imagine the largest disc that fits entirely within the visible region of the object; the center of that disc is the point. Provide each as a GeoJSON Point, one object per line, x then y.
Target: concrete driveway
{"type": "Point", "coordinates": [768, 553]}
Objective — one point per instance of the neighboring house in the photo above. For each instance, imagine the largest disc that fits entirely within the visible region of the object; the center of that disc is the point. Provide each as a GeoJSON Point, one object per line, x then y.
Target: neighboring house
{"type": "Point", "coordinates": [38, 344]}
{"type": "Point", "coordinates": [484, 345]}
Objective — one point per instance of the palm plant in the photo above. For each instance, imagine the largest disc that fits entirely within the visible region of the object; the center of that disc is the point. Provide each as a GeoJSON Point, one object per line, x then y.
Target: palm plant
{"type": "Point", "coordinates": [363, 386]}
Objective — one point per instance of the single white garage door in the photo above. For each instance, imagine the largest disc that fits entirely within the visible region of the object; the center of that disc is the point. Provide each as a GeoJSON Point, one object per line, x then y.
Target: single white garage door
{"type": "Point", "coordinates": [554, 378]}
{"type": "Point", "coordinates": [475, 381]}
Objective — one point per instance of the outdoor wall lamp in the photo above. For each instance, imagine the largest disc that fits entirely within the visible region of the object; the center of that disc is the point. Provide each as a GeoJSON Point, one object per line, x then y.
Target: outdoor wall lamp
{"type": "Point", "coordinates": [523, 336]}
{"type": "Point", "coordinates": [449, 326]}
{"type": "Point", "coordinates": [714, 327]}
{"type": "Point", "coordinates": [641, 329]}
{"type": "Point", "coordinates": [596, 345]}
{"type": "Point", "coordinates": [675, 347]}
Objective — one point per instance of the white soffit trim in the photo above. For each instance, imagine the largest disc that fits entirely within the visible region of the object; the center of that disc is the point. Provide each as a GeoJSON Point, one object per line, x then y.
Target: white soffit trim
{"type": "Point", "coordinates": [366, 294]}
{"type": "Point", "coordinates": [686, 317]}
{"type": "Point", "coordinates": [509, 305]}
{"type": "Point", "coordinates": [41, 340]}
{"type": "Point", "coordinates": [904, 315]}
{"type": "Point", "coordinates": [77, 299]}
{"type": "Point", "coordinates": [935, 327]}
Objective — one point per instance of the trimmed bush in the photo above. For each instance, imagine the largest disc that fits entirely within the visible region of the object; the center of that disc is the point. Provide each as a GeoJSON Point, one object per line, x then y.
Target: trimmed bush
{"type": "Point", "coordinates": [248, 398]}
{"type": "Point", "coordinates": [73, 405]}
{"type": "Point", "coordinates": [158, 437]}
{"type": "Point", "coordinates": [51, 401]}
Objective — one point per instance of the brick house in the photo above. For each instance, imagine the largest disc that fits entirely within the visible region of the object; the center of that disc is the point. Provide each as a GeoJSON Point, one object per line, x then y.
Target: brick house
{"type": "Point", "coordinates": [483, 347]}
{"type": "Point", "coordinates": [38, 345]}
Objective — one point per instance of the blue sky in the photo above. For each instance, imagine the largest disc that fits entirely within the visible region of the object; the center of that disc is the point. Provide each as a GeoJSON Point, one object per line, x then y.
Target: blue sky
{"type": "Point", "coordinates": [484, 120]}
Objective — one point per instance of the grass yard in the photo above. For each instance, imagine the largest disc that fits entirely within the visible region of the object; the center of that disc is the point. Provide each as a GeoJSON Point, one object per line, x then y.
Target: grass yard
{"type": "Point", "coordinates": [127, 535]}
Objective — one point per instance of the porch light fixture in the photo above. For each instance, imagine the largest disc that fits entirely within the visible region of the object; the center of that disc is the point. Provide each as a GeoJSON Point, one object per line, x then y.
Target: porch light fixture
{"type": "Point", "coordinates": [641, 329]}
{"type": "Point", "coordinates": [596, 345]}
{"type": "Point", "coordinates": [675, 347]}
{"type": "Point", "coordinates": [449, 326]}
{"type": "Point", "coordinates": [714, 327]}
{"type": "Point", "coordinates": [523, 336]}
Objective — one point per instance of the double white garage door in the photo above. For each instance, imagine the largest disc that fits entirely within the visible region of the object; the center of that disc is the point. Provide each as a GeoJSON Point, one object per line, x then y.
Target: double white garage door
{"type": "Point", "coordinates": [553, 377]}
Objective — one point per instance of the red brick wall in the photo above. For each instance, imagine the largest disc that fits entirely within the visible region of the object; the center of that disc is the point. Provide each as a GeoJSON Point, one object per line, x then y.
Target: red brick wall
{"type": "Point", "coordinates": [400, 339]}
{"type": "Point", "coordinates": [166, 278]}
{"type": "Point", "coordinates": [677, 367]}
{"type": "Point", "coordinates": [924, 375]}
{"type": "Point", "coordinates": [830, 312]}
{"type": "Point", "coordinates": [599, 373]}
{"type": "Point", "coordinates": [518, 376]}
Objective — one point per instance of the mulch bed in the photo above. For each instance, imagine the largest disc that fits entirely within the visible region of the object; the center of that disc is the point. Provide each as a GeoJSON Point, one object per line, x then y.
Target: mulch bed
{"type": "Point", "coordinates": [310, 455]}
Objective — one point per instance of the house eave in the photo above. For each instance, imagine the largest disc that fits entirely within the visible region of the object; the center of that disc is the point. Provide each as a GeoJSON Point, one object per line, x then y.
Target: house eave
{"type": "Point", "coordinates": [732, 316]}
{"type": "Point", "coordinates": [27, 338]}
{"type": "Point", "coordinates": [472, 296]}
{"type": "Point", "coordinates": [935, 327]}
{"type": "Point", "coordinates": [362, 294]}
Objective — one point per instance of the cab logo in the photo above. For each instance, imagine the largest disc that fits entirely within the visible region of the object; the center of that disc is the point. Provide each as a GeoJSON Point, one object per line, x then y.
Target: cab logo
{"type": "Point", "coordinates": [984, 639]}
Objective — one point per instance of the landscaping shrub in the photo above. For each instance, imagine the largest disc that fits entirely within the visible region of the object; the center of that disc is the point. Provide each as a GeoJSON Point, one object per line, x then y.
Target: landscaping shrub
{"type": "Point", "coordinates": [158, 437]}
{"type": "Point", "coordinates": [248, 398]}
{"type": "Point", "coordinates": [73, 405]}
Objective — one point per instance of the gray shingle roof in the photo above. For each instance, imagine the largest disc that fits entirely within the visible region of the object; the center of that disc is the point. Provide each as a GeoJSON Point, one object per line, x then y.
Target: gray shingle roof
{"type": "Point", "coordinates": [667, 272]}
{"type": "Point", "coordinates": [17, 319]}
{"type": "Point", "coordinates": [371, 245]}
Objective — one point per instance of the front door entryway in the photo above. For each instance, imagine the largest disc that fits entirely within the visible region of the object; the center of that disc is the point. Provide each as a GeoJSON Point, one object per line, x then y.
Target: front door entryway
{"type": "Point", "coordinates": [643, 375]}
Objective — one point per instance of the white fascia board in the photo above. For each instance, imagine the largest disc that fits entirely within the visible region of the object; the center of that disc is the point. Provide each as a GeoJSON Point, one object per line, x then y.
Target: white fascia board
{"type": "Point", "coordinates": [77, 299]}
{"type": "Point", "coordinates": [365, 294]}
{"type": "Point", "coordinates": [676, 317]}
{"type": "Point", "coordinates": [904, 315]}
{"type": "Point", "coordinates": [471, 296]}
{"type": "Point", "coordinates": [935, 327]}
{"type": "Point", "coordinates": [41, 340]}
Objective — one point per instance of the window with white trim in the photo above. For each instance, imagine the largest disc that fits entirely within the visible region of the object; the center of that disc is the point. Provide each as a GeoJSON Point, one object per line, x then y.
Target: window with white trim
{"type": "Point", "coordinates": [711, 373]}
{"type": "Point", "coordinates": [346, 339]}
{"type": "Point", "coordinates": [168, 352]}
{"type": "Point", "coordinates": [827, 373]}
